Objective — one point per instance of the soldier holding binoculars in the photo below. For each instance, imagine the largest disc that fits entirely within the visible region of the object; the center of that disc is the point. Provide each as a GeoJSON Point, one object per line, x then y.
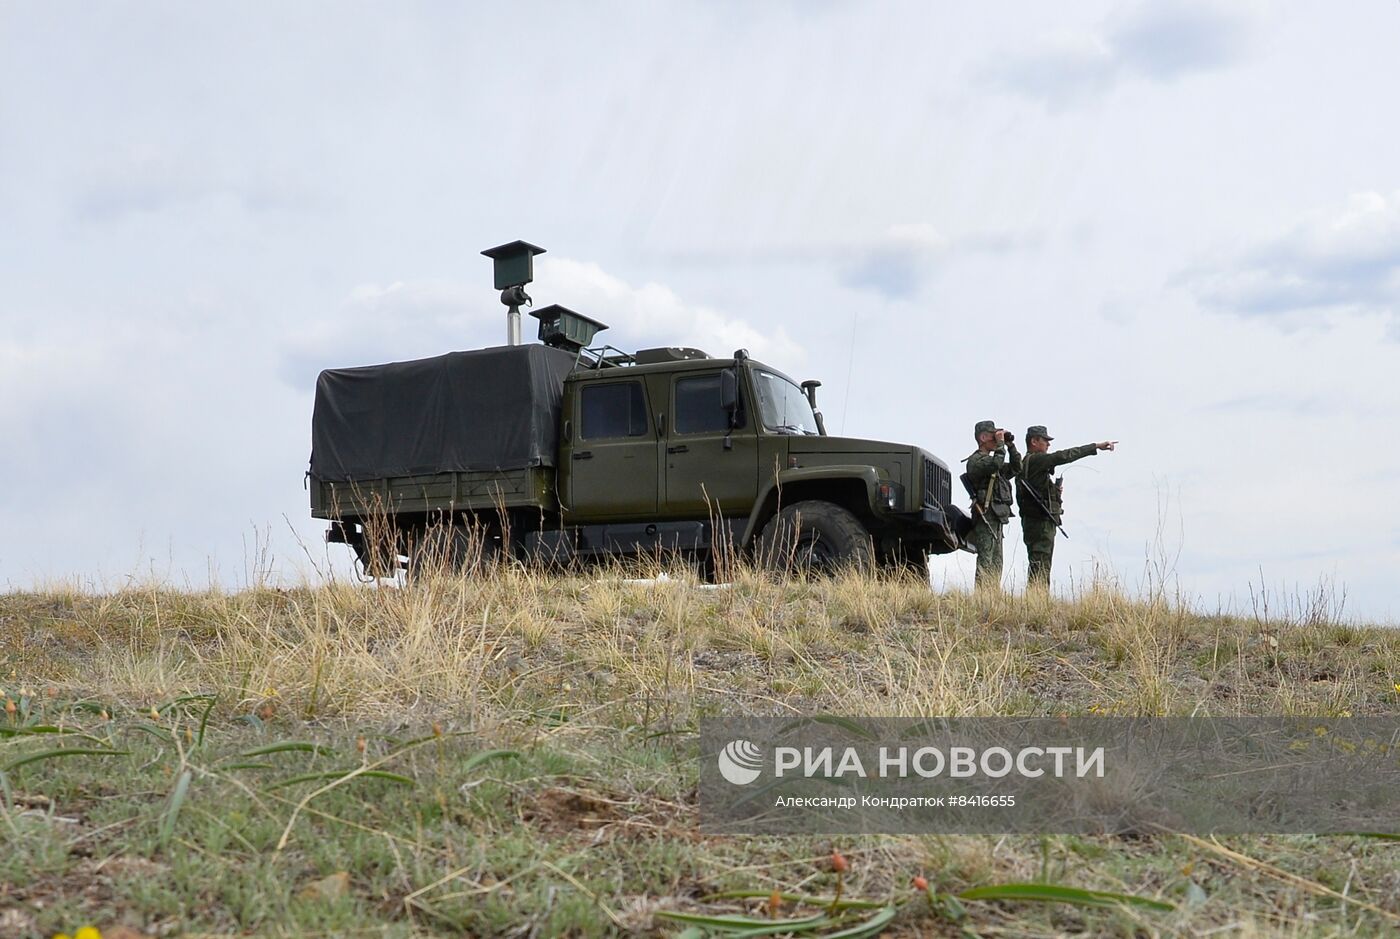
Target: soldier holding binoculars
{"type": "Point", "coordinates": [988, 480]}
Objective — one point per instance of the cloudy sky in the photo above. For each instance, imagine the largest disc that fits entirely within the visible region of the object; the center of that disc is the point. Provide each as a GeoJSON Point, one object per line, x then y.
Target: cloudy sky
{"type": "Point", "coordinates": [1173, 225]}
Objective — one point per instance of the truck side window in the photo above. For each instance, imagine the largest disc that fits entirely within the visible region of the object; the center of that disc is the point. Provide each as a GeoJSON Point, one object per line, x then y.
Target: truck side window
{"type": "Point", "coordinates": [613, 410]}
{"type": "Point", "coordinates": [698, 408]}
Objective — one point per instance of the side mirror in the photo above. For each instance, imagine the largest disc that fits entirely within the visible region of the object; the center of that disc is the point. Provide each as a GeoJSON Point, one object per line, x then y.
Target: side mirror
{"type": "Point", "coordinates": [729, 391]}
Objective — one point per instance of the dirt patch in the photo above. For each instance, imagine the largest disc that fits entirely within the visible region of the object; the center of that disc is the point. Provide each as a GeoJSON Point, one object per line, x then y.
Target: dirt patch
{"type": "Point", "coordinates": [560, 809]}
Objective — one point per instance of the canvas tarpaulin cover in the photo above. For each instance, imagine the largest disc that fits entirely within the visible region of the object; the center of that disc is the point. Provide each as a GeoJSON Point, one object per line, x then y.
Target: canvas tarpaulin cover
{"type": "Point", "coordinates": [488, 409]}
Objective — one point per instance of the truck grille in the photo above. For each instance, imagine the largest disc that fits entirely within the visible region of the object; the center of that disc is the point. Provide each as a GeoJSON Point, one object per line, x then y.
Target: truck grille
{"type": "Point", "coordinates": [938, 484]}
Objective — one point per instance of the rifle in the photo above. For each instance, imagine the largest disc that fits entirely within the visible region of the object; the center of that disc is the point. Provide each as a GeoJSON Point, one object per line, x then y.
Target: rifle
{"type": "Point", "coordinates": [976, 505]}
{"type": "Point", "coordinates": [1027, 487]}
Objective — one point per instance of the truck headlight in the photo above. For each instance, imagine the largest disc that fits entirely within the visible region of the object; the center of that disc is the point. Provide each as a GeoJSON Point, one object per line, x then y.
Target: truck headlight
{"type": "Point", "coordinates": [891, 495]}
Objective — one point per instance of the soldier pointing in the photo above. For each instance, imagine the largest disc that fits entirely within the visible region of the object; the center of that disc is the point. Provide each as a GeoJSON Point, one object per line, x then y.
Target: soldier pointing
{"type": "Point", "coordinates": [1039, 497]}
{"type": "Point", "coordinates": [988, 480]}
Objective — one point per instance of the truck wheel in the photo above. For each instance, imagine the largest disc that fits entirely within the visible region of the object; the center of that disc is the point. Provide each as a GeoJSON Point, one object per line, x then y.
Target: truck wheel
{"type": "Point", "coordinates": [815, 537]}
{"type": "Point", "coordinates": [906, 561]}
{"type": "Point", "coordinates": [377, 549]}
{"type": "Point", "coordinates": [454, 550]}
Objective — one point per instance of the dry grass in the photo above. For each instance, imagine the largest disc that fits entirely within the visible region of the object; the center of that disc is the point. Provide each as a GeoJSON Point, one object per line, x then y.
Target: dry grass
{"type": "Point", "coordinates": [598, 681]}
{"type": "Point", "coordinates": [486, 649]}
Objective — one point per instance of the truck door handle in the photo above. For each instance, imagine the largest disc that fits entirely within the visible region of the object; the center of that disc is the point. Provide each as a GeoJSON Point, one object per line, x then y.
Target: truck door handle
{"type": "Point", "coordinates": [583, 454]}
{"type": "Point", "coordinates": [680, 449]}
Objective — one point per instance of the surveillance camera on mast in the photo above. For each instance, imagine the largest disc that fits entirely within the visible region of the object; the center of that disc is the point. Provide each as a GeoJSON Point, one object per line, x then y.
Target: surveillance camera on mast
{"type": "Point", "coordinates": [560, 327]}
{"type": "Point", "coordinates": [514, 267]}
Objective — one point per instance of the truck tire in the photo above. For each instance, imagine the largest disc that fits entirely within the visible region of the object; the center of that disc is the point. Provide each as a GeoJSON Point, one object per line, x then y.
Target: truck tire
{"type": "Point", "coordinates": [906, 560]}
{"type": "Point", "coordinates": [377, 549]}
{"type": "Point", "coordinates": [454, 550]}
{"type": "Point", "coordinates": [815, 537]}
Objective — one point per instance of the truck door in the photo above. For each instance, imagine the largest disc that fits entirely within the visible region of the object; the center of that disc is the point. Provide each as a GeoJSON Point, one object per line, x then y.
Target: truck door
{"type": "Point", "coordinates": [701, 475]}
{"type": "Point", "coordinates": [611, 452]}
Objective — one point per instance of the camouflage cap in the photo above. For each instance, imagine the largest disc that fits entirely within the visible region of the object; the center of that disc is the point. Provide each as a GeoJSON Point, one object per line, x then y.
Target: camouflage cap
{"type": "Point", "coordinates": [1038, 430]}
{"type": "Point", "coordinates": [984, 427]}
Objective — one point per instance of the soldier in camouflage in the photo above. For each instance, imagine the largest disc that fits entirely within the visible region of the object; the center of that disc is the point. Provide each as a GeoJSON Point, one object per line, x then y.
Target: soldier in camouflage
{"type": "Point", "coordinates": [1039, 497]}
{"type": "Point", "coordinates": [988, 479]}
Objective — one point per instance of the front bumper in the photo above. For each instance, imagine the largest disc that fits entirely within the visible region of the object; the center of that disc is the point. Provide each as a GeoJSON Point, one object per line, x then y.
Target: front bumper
{"type": "Point", "coordinates": [942, 528]}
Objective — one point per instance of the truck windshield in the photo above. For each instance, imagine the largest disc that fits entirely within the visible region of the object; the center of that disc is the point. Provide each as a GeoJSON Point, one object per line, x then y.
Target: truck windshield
{"type": "Point", "coordinates": [782, 405]}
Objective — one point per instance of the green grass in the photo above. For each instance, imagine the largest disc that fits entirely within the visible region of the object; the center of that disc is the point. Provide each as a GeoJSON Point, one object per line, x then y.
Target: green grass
{"type": "Point", "coordinates": [515, 756]}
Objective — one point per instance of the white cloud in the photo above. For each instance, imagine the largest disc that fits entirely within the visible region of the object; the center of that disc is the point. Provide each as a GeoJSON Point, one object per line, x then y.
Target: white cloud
{"type": "Point", "coordinates": [1345, 260]}
{"type": "Point", "coordinates": [121, 441]}
{"type": "Point", "coordinates": [1164, 41]}
{"type": "Point", "coordinates": [898, 263]}
{"type": "Point", "coordinates": [1059, 67]}
{"type": "Point", "coordinates": [653, 315]}
{"type": "Point", "coordinates": [411, 319]}
{"type": "Point", "coordinates": [1147, 40]}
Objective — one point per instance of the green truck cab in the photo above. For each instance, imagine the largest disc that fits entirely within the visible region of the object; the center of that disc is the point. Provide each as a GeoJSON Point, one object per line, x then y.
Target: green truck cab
{"type": "Point", "coordinates": [556, 452]}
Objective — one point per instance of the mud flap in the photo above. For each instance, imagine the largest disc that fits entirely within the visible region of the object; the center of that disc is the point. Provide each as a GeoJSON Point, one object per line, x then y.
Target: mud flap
{"type": "Point", "coordinates": [959, 525]}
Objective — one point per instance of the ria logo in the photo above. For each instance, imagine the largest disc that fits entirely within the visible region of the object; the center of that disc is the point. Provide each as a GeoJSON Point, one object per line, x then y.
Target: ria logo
{"type": "Point", "coordinates": [741, 762]}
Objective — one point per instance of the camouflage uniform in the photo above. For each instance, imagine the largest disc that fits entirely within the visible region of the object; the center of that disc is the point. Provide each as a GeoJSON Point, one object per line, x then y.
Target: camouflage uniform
{"type": "Point", "coordinates": [989, 516]}
{"type": "Point", "coordinates": [1037, 524]}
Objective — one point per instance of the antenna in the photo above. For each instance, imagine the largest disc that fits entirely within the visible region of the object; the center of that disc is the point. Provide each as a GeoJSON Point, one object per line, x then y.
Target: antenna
{"type": "Point", "coordinates": [850, 368]}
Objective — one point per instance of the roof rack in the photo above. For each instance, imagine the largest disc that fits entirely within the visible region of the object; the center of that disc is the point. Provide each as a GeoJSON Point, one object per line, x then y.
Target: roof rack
{"type": "Point", "coordinates": [604, 356]}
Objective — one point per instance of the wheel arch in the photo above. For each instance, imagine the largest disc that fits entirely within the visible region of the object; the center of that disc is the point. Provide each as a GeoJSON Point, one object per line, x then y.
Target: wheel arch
{"type": "Point", "coordinates": [850, 487]}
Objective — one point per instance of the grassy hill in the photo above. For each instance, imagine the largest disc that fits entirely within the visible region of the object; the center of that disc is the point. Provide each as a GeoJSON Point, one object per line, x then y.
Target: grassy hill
{"type": "Point", "coordinates": [514, 755]}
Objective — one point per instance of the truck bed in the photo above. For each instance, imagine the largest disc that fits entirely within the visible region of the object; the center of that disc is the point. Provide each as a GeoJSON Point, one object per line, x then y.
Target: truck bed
{"type": "Point", "coordinates": [434, 492]}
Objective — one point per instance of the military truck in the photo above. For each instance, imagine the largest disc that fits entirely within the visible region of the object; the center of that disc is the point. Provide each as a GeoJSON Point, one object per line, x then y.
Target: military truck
{"type": "Point", "coordinates": [559, 451]}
